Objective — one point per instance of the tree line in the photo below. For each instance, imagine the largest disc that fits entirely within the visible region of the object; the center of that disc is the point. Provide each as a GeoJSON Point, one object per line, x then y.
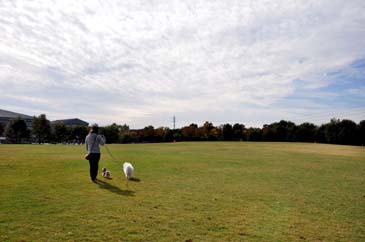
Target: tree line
{"type": "Point", "coordinates": [42, 131]}
{"type": "Point", "coordinates": [336, 131]}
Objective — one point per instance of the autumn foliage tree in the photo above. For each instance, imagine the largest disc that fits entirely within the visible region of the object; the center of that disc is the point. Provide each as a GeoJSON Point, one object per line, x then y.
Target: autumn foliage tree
{"type": "Point", "coordinates": [336, 132]}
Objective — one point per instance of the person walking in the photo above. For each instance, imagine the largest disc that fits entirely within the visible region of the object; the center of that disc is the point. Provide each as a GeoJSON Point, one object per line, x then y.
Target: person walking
{"type": "Point", "coordinates": [93, 141]}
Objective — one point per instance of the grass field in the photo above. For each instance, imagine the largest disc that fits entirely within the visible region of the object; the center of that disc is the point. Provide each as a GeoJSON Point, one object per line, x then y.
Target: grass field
{"type": "Point", "coordinates": [219, 191]}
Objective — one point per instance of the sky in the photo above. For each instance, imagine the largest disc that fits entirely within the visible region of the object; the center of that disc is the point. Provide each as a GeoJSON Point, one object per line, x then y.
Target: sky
{"type": "Point", "coordinates": [142, 62]}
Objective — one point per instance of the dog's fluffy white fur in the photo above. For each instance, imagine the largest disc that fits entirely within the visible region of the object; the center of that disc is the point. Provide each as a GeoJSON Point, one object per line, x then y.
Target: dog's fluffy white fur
{"type": "Point", "coordinates": [128, 170]}
{"type": "Point", "coordinates": [105, 173]}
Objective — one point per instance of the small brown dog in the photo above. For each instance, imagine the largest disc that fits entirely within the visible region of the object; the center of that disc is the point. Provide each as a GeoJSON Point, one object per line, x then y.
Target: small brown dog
{"type": "Point", "coordinates": [105, 173]}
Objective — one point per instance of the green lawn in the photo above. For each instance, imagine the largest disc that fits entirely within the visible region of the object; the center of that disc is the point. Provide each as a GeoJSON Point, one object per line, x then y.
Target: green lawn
{"type": "Point", "coordinates": [218, 191]}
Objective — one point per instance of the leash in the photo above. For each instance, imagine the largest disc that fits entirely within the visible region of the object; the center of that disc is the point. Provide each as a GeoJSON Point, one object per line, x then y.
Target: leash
{"type": "Point", "coordinates": [114, 159]}
{"type": "Point", "coordinates": [110, 154]}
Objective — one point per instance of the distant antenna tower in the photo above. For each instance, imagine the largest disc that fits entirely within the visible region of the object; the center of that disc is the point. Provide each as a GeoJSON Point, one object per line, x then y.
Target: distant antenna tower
{"type": "Point", "coordinates": [174, 121]}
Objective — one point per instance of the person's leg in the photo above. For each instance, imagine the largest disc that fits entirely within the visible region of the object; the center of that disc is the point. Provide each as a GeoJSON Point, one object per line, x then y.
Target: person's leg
{"type": "Point", "coordinates": [91, 163]}
{"type": "Point", "coordinates": [97, 158]}
{"type": "Point", "coordinates": [94, 166]}
{"type": "Point", "coordinates": [92, 170]}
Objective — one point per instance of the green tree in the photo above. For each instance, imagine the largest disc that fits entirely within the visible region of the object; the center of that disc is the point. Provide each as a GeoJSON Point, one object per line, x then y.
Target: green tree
{"type": "Point", "coordinates": [16, 130]}
{"type": "Point", "coordinates": [331, 131]}
{"type": "Point", "coordinates": [346, 132]}
{"type": "Point", "coordinates": [147, 134]}
{"type": "Point", "coordinates": [123, 128]}
{"type": "Point", "coordinates": [268, 133]}
{"type": "Point", "coordinates": [41, 128]}
{"type": "Point", "coordinates": [321, 134]}
{"type": "Point", "coordinates": [111, 133]}
{"type": "Point", "coordinates": [78, 133]}
{"type": "Point", "coordinates": [238, 131]}
{"type": "Point", "coordinates": [306, 132]}
{"type": "Point", "coordinates": [177, 135]}
{"type": "Point", "coordinates": [2, 129]}
{"type": "Point", "coordinates": [227, 132]}
{"type": "Point", "coordinates": [254, 134]}
{"type": "Point", "coordinates": [126, 135]}
{"type": "Point", "coordinates": [169, 135]}
{"type": "Point", "coordinates": [361, 133]}
{"type": "Point", "coordinates": [279, 131]}
{"type": "Point", "coordinates": [214, 134]}
{"type": "Point", "coordinates": [60, 132]}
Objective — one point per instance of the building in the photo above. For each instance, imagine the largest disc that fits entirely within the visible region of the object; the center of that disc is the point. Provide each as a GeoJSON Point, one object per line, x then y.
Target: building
{"type": "Point", "coordinates": [74, 122]}
{"type": "Point", "coordinates": [6, 116]}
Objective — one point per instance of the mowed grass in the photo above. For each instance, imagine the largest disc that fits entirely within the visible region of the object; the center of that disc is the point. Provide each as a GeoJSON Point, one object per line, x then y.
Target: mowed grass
{"type": "Point", "coordinates": [218, 191]}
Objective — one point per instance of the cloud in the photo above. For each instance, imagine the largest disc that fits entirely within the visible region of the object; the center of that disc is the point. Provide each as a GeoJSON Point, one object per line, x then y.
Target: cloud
{"type": "Point", "coordinates": [143, 61]}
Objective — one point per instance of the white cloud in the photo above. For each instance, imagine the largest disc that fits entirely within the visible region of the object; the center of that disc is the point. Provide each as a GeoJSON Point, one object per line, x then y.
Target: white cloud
{"type": "Point", "coordinates": [134, 61]}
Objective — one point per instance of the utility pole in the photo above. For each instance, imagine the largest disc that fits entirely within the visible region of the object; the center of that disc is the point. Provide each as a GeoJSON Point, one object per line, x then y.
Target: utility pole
{"type": "Point", "coordinates": [174, 121]}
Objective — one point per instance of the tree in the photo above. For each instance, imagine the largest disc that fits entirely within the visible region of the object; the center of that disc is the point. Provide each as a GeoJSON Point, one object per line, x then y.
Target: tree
{"type": "Point", "coordinates": [254, 134]}
{"type": "Point", "coordinates": [215, 134]}
{"type": "Point", "coordinates": [169, 135]}
{"type": "Point", "coordinates": [111, 133]}
{"type": "Point", "coordinates": [306, 132]}
{"type": "Point", "coordinates": [268, 133]}
{"type": "Point", "coordinates": [41, 128]}
{"type": "Point", "coordinates": [78, 133]}
{"type": "Point", "coordinates": [2, 129]}
{"type": "Point", "coordinates": [289, 130]}
{"type": "Point", "coordinates": [147, 134]}
{"type": "Point", "coordinates": [346, 132]}
{"type": "Point", "coordinates": [159, 134]}
{"type": "Point", "coordinates": [285, 130]}
{"type": "Point", "coordinates": [320, 135]}
{"type": "Point", "coordinates": [128, 136]}
{"type": "Point", "coordinates": [190, 132]}
{"type": "Point", "coordinates": [279, 131]}
{"type": "Point", "coordinates": [177, 135]}
{"type": "Point", "coordinates": [227, 132]}
{"type": "Point", "coordinates": [123, 128]}
{"type": "Point", "coordinates": [332, 130]}
{"type": "Point", "coordinates": [60, 132]}
{"type": "Point", "coordinates": [339, 132]}
{"type": "Point", "coordinates": [238, 131]}
{"type": "Point", "coordinates": [16, 130]}
{"type": "Point", "coordinates": [361, 133]}
{"type": "Point", "coordinates": [205, 129]}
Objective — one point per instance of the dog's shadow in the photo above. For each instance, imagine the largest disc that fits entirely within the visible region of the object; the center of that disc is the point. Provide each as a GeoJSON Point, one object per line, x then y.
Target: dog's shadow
{"type": "Point", "coordinates": [133, 179]}
{"type": "Point", "coordinates": [114, 189]}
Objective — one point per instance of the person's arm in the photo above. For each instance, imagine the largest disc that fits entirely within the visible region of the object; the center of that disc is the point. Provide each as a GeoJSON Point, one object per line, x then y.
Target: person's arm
{"type": "Point", "coordinates": [87, 148]}
{"type": "Point", "coordinates": [102, 139]}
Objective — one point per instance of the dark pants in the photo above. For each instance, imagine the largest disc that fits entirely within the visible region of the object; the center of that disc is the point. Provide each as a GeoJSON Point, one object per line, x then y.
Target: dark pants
{"type": "Point", "coordinates": [94, 165]}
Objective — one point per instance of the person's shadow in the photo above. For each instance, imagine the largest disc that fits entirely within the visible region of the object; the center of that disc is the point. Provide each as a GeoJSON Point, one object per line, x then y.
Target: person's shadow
{"type": "Point", "coordinates": [114, 189]}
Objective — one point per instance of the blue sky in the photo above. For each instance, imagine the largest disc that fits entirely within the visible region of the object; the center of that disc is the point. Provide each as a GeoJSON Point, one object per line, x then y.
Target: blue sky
{"type": "Point", "coordinates": [142, 62]}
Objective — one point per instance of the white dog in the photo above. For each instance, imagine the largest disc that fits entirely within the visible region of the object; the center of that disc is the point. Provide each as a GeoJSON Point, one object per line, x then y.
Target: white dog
{"type": "Point", "coordinates": [105, 173]}
{"type": "Point", "coordinates": [128, 170]}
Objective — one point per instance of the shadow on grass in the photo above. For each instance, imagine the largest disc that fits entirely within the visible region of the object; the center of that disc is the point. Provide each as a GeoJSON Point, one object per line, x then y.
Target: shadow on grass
{"type": "Point", "coordinates": [114, 189]}
{"type": "Point", "coordinates": [133, 179]}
